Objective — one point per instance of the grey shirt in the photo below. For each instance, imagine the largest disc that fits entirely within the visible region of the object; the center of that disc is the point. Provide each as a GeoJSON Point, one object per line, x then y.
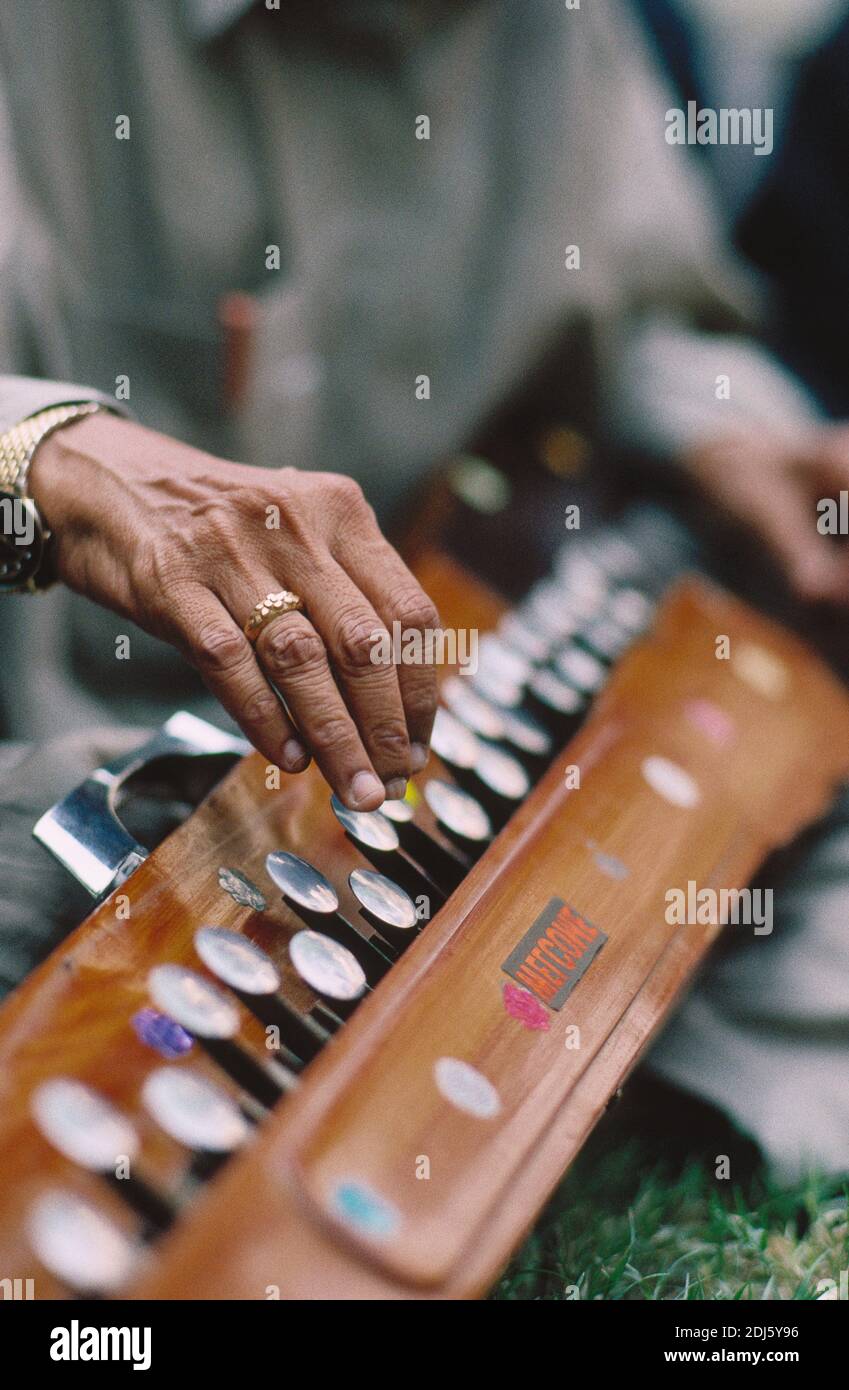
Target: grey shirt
{"type": "Point", "coordinates": [276, 151]}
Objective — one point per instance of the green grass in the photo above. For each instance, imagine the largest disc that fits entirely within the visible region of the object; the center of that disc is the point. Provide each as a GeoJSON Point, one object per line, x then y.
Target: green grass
{"type": "Point", "coordinates": [642, 1216]}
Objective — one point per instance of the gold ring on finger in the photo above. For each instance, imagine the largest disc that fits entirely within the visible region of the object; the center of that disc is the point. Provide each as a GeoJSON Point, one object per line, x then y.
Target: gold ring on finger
{"type": "Point", "coordinates": [270, 608]}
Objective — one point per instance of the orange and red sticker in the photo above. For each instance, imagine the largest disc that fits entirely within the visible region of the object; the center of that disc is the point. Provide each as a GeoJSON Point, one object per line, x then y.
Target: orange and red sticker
{"type": "Point", "coordinates": [554, 954]}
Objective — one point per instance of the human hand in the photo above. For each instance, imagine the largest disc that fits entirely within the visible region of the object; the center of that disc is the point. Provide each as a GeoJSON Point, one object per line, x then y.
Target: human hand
{"type": "Point", "coordinates": [773, 486]}
{"type": "Point", "coordinates": [183, 544]}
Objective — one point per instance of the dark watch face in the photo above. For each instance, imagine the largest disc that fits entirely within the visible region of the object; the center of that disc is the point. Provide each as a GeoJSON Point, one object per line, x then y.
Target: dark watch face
{"type": "Point", "coordinates": [21, 540]}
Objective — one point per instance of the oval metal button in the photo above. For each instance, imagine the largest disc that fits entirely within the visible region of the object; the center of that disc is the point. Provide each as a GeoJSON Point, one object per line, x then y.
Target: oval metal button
{"type": "Point", "coordinates": [298, 880]}
{"type": "Point", "coordinates": [83, 1248]}
{"type": "Point", "coordinates": [383, 899]}
{"type": "Point", "coordinates": [494, 654]}
{"type": "Point", "coordinates": [327, 967]}
{"type": "Point", "coordinates": [458, 811]}
{"type": "Point", "coordinates": [605, 639]}
{"type": "Point", "coordinates": [194, 1002]}
{"type": "Point", "coordinates": [400, 812]}
{"type": "Point", "coordinates": [555, 694]}
{"type": "Point", "coordinates": [630, 608]}
{"type": "Point", "coordinates": [494, 685]}
{"type": "Point", "coordinates": [527, 734]}
{"type": "Point", "coordinates": [472, 709]}
{"type": "Point", "coordinates": [193, 1111]}
{"type": "Point", "coordinates": [580, 669]}
{"type": "Point", "coordinates": [522, 637]}
{"type": "Point", "coordinates": [502, 773]}
{"type": "Point", "coordinates": [83, 1125]}
{"type": "Point", "coordinates": [452, 741]}
{"type": "Point", "coordinates": [236, 960]}
{"type": "Point", "coordinates": [367, 827]}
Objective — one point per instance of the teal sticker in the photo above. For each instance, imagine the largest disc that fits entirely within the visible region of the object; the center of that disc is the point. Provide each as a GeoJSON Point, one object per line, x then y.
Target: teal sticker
{"type": "Point", "coordinates": [364, 1210]}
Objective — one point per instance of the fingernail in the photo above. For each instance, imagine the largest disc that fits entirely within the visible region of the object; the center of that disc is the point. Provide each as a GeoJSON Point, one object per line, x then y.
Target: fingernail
{"type": "Point", "coordinates": [418, 756]}
{"type": "Point", "coordinates": [294, 754]}
{"type": "Point", "coordinates": [365, 787]}
{"type": "Point", "coordinates": [396, 789]}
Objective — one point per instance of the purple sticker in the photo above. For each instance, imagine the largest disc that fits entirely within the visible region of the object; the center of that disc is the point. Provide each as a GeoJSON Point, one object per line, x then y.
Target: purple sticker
{"type": "Point", "coordinates": [161, 1033]}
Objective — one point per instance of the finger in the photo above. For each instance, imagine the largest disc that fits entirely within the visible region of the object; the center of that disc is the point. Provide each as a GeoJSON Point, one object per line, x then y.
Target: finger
{"type": "Point", "coordinates": [223, 655]}
{"type": "Point", "coordinates": [825, 474]}
{"type": "Point", "coordinates": [827, 458]}
{"type": "Point", "coordinates": [359, 649]}
{"type": "Point", "coordinates": [781, 513]}
{"type": "Point", "coordinates": [294, 659]}
{"type": "Point", "coordinates": [378, 570]}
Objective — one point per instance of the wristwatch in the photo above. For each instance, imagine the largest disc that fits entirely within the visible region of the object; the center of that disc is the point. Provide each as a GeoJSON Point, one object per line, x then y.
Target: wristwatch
{"type": "Point", "coordinates": [24, 538]}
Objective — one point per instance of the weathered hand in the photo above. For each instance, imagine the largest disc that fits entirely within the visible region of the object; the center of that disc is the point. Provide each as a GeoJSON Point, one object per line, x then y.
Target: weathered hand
{"type": "Point", "coordinates": [185, 544]}
{"type": "Point", "coordinates": [776, 486]}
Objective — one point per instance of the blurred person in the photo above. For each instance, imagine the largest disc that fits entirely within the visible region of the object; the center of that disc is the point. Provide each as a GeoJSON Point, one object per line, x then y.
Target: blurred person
{"type": "Point", "coordinates": [678, 42]}
{"type": "Point", "coordinates": [792, 225]}
{"type": "Point", "coordinates": [736, 53]}
{"type": "Point", "coordinates": [796, 229]}
{"type": "Point", "coordinates": [260, 229]}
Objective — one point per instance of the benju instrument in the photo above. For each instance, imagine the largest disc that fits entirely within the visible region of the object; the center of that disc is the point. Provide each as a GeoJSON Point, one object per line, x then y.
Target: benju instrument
{"type": "Point", "coordinates": [305, 1053]}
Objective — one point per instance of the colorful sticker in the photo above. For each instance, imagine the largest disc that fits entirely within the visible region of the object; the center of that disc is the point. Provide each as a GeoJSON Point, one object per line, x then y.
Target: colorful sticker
{"type": "Point", "coordinates": [554, 954]}
{"type": "Point", "coordinates": [671, 782]}
{"type": "Point", "coordinates": [364, 1210]}
{"type": "Point", "coordinates": [710, 720]}
{"type": "Point", "coordinates": [521, 1004]}
{"type": "Point", "coordinates": [241, 889]}
{"type": "Point", "coordinates": [466, 1088]}
{"type": "Point", "coordinates": [607, 864]}
{"type": "Point", "coordinates": [162, 1033]}
{"type": "Point", "coordinates": [759, 669]}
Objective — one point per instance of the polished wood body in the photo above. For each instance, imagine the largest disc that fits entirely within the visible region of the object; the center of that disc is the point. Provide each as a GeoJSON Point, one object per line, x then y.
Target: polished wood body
{"type": "Point", "coordinates": [367, 1109]}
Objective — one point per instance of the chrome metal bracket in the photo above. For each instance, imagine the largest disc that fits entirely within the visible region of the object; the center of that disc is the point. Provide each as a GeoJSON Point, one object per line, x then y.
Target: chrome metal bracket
{"type": "Point", "coordinates": [84, 831]}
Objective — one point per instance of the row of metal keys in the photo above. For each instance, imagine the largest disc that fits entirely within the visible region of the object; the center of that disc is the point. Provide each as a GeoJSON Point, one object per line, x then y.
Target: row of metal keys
{"type": "Point", "coordinates": [495, 732]}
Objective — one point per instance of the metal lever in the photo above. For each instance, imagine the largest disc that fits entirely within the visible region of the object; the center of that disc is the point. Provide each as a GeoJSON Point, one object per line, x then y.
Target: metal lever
{"type": "Point", "coordinates": [84, 831]}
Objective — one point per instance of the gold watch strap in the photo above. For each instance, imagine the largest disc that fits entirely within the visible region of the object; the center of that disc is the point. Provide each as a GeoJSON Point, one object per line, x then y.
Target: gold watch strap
{"type": "Point", "coordinates": [18, 445]}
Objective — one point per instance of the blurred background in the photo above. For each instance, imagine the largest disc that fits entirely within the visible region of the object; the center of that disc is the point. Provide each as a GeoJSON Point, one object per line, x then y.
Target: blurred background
{"type": "Point", "coordinates": [788, 214]}
{"type": "Point", "coordinates": [738, 53]}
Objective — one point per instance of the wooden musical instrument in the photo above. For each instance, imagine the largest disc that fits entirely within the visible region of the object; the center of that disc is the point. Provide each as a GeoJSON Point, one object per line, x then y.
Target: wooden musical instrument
{"type": "Point", "coordinates": [411, 1151]}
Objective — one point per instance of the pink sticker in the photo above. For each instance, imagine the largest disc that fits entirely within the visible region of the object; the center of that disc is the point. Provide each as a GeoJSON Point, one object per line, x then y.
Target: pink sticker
{"type": "Point", "coordinates": [710, 720]}
{"type": "Point", "coordinates": [521, 1004]}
